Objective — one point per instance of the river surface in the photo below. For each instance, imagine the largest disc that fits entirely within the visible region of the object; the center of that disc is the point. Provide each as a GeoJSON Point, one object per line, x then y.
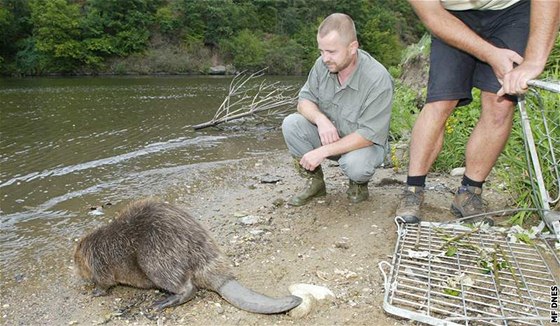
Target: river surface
{"type": "Point", "coordinates": [68, 145]}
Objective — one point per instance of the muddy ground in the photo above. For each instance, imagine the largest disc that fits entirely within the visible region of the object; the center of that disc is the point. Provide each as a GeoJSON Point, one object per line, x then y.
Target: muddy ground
{"type": "Point", "coordinates": [329, 242]}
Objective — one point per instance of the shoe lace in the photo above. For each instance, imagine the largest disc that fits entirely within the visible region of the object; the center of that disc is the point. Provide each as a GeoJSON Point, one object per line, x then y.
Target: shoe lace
{"type": "Point", "coordinates": [475, 200]}
{"type": "Point", "coordinates": [355, 190]}
{"type": "Point", "coordinates": [411, 198]}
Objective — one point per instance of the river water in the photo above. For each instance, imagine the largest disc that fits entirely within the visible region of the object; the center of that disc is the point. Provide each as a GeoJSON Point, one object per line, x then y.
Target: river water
{"type": "Point", "coordinates": [71, 144]}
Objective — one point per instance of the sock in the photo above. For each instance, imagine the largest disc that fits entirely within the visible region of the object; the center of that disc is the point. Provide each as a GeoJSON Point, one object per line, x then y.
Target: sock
{"type": "Point", "coordinates": [416, 181]}
{"type": "Point", "coordinates": [470, 182]}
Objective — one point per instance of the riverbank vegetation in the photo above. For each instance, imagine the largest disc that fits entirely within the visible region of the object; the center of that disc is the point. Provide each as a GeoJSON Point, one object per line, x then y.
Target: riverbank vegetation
{"type": "Point", "coordinates": [39, 37]}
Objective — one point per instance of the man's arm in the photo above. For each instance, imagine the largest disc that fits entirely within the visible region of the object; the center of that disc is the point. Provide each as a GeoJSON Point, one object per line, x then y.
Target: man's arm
{"type": "Point", "coordinates": [344, 145]}
{"type": "Point", "coordinates": [331, 142]}
{"type": "Point", "coordinates": [454, 32]}
{"type": "Point", "coordinates": [327, 130]}
{"type": "Point", "coordinates": [545, 20]}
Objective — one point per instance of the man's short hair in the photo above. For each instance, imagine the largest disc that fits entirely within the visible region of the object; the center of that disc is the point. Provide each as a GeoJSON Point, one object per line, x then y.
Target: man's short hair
{"type": "Point", "coordinates": [342, 24]}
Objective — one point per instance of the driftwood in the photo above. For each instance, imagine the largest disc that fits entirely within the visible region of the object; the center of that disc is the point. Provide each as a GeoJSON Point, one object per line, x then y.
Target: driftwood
{"type": "Point", "coordinates": [244, 100]}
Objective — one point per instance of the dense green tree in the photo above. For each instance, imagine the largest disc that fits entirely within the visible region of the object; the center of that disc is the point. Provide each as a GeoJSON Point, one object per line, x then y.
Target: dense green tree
{"type": "Point", "coordinates": [407, 25]}
{"type": "Point", "coordinates": [15, 26]}
{"type": "Point", "coordinates": [213, 21]}
{"type": "Point", "coordinates": [284, 56]}
{"type": "Point", "coordinates": [307, 37]}
{"type": "Point", "coordinates": [267, 14]}
{"type": "Point", "coordinates": [6, 23]}
{"type": "Point", "coordinates": [359, 10]}
{"type": "Point", "coordinates": [247, 50]}
{"type": "Point", "coordinates": [380, 40]}
{"type": "Point", "coordinates": [119, 26]}
{"type": "Point", "coordinates": [40, 36]}
{"type": "Point", "coordinates": [166, 20]}
{"type": "Point", "coordinates": [56, 34]}
{"type": "Point", "coordinates": [28, 60]}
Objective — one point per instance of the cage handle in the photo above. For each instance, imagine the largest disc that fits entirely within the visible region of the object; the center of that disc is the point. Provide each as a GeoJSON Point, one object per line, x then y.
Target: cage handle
{"type": "Point", "coordinates": [549, 86]}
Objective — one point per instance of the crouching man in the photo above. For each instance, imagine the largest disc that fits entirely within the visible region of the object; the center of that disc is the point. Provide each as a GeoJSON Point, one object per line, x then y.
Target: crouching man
{"type": "Point", "coordinates": [344, 110]}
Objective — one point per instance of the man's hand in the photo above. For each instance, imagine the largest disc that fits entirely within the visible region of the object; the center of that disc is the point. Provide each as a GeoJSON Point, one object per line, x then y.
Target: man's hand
{"type": "Point", "coordinates": [349, 143]}
{"type": "Point", "coordinates": [327, 131]}
{"type": "Point", "coordinates": [515, 81]}
{"type": "Point", "coordinates": [545, 21]}
{"type": "Point", "coordinates": [503, 61]}
{"type": "Point", "coordinates": [312, 159]}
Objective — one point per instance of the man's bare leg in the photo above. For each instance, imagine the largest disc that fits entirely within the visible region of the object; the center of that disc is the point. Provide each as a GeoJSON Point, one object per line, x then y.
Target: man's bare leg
{"type": "Point", "coordinates": [425, 145]}
{"type": "Point", "coordinates": [483, 149]}
{"type": "Point", "coordinates": [427, 136]}
{"type": "Point", "coordinates": [489, 136]}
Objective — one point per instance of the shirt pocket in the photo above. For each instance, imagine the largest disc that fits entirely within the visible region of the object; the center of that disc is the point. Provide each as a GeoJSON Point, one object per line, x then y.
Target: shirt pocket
{"type": "Point", "coordinates": [348, 120]}
{"type": "Point", "coordinates": [326, 102]}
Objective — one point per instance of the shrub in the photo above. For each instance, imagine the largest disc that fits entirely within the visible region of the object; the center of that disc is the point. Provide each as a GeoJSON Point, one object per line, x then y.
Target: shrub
{"type": "Point", "coordinates": [283, 56]}
{"type": "Point", "coordinates": [246, 49]}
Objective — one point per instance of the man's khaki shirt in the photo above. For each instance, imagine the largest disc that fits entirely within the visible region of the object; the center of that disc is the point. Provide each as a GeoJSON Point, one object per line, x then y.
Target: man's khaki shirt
{"type": "Point", "coordinates": [363, 105]}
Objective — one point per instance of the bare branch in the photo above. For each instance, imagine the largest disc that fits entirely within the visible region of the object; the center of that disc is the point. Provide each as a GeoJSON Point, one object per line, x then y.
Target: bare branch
{"type": "Point", "coordinates": [244, 100]}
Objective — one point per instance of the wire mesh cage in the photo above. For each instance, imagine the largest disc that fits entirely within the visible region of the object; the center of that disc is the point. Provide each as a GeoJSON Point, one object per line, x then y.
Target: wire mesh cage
{"type": "Point", "coordinates": [447, 274]}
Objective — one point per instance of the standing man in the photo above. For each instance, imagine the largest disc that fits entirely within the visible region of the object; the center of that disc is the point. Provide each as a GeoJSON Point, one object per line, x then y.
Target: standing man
{"type": "Point", "coordinates": [496, 46]}
{"type": "Point", "coordinates": [344, 110]}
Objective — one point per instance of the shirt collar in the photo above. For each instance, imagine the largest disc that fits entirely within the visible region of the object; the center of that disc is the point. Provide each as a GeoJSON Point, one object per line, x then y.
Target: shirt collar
{"type": "Point", "coordinates": [353, 81]}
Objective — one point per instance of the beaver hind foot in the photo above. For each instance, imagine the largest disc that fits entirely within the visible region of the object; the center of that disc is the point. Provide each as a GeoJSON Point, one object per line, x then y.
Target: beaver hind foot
{"type": "Point", "coordinates": [176, 299]}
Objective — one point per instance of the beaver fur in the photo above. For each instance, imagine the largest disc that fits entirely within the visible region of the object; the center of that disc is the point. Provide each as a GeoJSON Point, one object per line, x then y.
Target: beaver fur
{"type": "Point", "coordinates": [152, 244]}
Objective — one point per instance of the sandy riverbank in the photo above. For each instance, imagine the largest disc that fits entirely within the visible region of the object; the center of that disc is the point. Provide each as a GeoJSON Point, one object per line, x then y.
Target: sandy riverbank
{"type": "Point", "coordinates": [329, 242]}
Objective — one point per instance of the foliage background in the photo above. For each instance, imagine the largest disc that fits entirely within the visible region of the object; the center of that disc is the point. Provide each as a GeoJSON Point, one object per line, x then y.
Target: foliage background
{"type": "Point", "coordinates": [188, 36]}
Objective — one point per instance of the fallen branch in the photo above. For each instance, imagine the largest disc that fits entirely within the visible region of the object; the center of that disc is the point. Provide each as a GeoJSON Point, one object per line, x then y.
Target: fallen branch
{"type": "Point", "coordinates": [240, 103]}
{"type": "Point", "coordinates": [496, 270]}
{"type": "Point", "coordinates": [512, 272]}
{"type": "Point", "coordinates": [458, 237]}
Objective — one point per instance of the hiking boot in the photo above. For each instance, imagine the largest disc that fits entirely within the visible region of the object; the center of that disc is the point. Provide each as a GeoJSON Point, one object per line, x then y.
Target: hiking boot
{"type": "Point", "coordinates": [357, 191]}
{"type": "Point", "coordinates": [314, 185]}
{"type": "Point", "coordinates": [409, 206]}
{"type": "Point", "coordinates": [468, 202]}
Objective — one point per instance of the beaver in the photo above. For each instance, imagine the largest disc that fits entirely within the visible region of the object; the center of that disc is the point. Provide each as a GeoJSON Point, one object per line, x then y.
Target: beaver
{"type": "Point", "coordinates": [153, 244]}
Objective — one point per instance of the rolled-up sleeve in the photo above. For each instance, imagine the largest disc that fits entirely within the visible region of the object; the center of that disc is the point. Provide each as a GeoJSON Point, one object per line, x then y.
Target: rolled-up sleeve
{"type": "Point", "coordinates": [310, 90]}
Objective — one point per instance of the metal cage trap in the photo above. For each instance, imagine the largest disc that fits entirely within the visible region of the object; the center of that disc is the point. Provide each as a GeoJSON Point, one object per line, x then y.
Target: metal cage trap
{"type": "Point", "coordinates": [448, 274]}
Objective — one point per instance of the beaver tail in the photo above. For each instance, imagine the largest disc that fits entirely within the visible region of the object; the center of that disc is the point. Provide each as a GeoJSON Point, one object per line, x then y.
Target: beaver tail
{"type": "Point", "coordinates": [243, 298]}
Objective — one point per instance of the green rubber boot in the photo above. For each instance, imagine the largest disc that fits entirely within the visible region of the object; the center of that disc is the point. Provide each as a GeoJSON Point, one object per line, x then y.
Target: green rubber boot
{"type": "Point", "coordinates": [357, 191]}
{"type": "Point", "coordinates": [314, 185]}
